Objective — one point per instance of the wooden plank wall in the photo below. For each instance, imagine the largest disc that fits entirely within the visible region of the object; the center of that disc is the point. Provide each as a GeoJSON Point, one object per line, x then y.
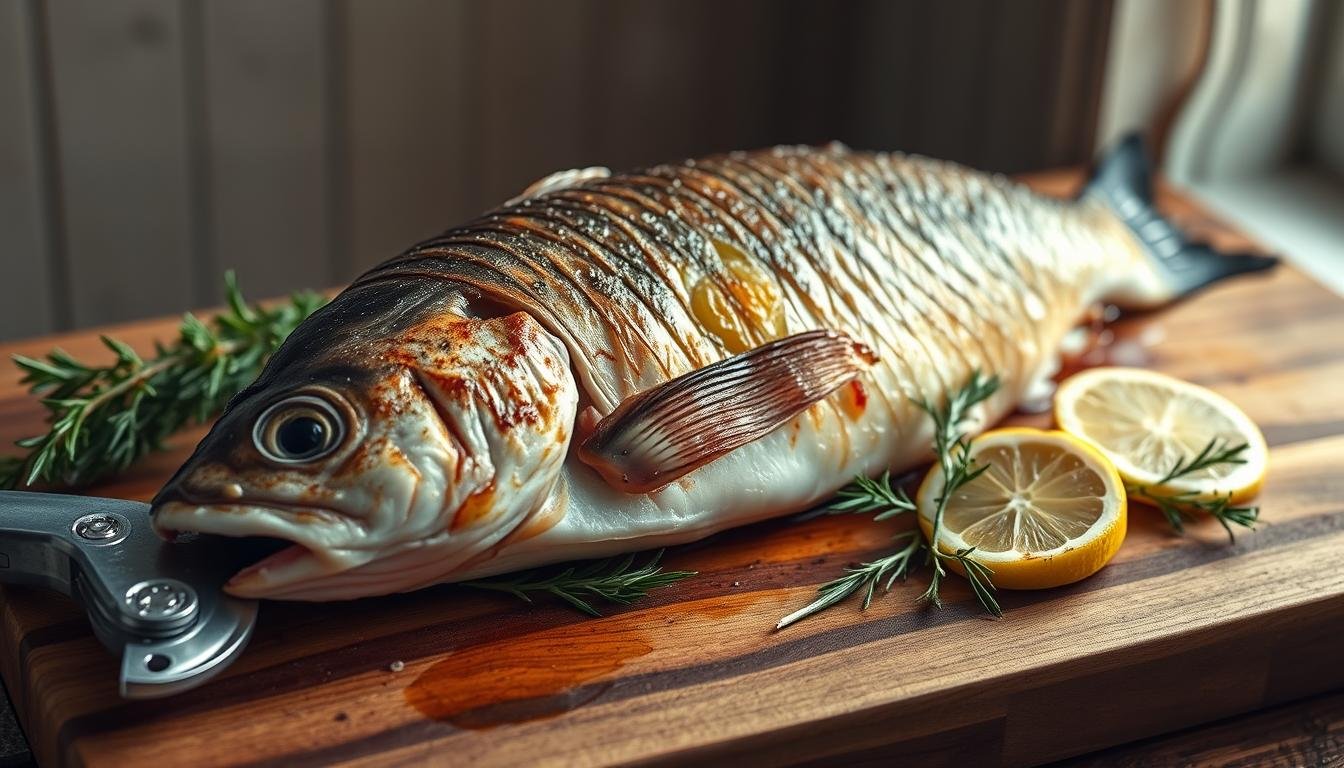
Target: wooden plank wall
{"type": "Point", "coordinates": [119, 78]}
{"type": "Point", "coordinates": [147, 145]}
{"type": "Point", "coordinates": [29, 260]}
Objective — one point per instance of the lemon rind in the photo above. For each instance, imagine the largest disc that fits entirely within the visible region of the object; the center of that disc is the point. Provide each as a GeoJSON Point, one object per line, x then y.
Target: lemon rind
{"type": "Point", "coordinates": [1241, 484]}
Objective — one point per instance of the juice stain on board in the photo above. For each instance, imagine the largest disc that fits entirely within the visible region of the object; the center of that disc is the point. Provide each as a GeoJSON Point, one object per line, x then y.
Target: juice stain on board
{"type": "Point", "coordinates": [549, 673]}
{"type": "Point", "coordinates": [537, 676]}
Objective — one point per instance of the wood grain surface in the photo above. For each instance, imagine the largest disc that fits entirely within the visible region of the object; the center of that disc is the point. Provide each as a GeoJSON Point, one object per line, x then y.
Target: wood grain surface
{"type": "Point", "coordinates": [1176, 631]}
{"type": "Point", "coordinates": [1309, 732]}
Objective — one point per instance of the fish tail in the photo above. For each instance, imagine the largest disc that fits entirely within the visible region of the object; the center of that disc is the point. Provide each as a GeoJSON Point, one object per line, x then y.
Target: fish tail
{"type": "Point", "coordinates": [1122, 181]}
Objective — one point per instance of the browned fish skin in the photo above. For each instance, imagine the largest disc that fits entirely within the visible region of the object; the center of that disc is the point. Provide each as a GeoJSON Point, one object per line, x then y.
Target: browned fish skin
{"type": "Point", "coordinates": [465, 372]}
{"type": "Point", "coordinates": [963, 269]}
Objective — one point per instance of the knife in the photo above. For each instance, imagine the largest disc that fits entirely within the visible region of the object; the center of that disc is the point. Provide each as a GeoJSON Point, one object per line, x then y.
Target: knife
{"type": "Point", "coordinates": [159, 605]}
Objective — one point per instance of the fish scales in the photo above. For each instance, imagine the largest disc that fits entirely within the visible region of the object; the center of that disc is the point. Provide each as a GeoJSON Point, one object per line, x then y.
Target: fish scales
{"type": "Point", "coordinates": [454, 391]}
{"type": "Point", "coordinates": [788, 210]}
{"type": "Point", "coordinates": [775, 250]}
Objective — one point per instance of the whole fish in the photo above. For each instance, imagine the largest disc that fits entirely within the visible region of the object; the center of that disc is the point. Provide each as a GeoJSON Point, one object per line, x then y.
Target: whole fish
{"type": "Point", "coordinates": [611, 363]}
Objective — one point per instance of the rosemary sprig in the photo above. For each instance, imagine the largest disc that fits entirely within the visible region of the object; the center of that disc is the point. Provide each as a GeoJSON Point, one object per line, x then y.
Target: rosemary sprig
{"type": "Point", "coordinates": [1178, 506]}
{"type": "Point", "coordinates": [867, 495]}
{"type": "Point", "coordinates": [866, 576]}
{"type": "Point", "coordinates": [103, 418]}
{"type": "Point", "coordinates": [614, 579]}
{"type": "Point", "coordinates": [952, 446]}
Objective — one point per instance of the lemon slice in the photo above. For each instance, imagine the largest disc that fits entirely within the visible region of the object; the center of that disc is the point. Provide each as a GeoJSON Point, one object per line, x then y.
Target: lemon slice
{"type": "Point", "coordinates": [1049, 510]}
{"type": "Point", "coordinates": [1145, 422]}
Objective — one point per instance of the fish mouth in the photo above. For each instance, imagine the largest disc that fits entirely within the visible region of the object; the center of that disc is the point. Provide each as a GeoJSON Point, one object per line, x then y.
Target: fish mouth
{"type": "Point", "coordinates": [296, 544]}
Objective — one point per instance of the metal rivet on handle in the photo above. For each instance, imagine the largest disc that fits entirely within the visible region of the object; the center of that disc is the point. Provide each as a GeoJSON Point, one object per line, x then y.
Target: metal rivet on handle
{"type": "Point", "coordinates": [101, 528]}
{"type": "Point", "coordinates": [161, 600]}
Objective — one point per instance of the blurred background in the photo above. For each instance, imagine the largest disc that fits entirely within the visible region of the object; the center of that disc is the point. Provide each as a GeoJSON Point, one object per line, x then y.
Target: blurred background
{"type": "Point", "coordinates": [148, 145]}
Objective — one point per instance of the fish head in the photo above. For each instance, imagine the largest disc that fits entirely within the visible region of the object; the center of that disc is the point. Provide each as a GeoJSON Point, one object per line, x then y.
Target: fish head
{"type": "Point", "coordinates": [387, 456]}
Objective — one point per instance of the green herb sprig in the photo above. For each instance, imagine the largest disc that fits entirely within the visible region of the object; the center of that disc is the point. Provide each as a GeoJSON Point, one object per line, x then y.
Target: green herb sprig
{"type": "Point", "coordinates": [1179, 506]}
{"type": "Point", "coordinates": [102, 418]}
{"type": "Point", "coordinates": [614, 579]}
{"type": "Point", "coordinates": [866, 495]}
{"type": "Point", "coordinates": [952, 446]}
{"type": "Point", "coordinates": [866, 577]}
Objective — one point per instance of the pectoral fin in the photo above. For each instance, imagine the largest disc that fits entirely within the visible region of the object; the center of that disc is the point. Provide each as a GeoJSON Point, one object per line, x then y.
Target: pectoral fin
{"type": "Point", "coordinates": [669, 430]}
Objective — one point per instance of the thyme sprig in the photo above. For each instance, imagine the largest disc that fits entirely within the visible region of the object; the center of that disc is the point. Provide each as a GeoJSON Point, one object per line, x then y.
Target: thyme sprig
{"type": "Point", "coordinates": [1178, 506]}
{"type": "Point", "coordinates": [614, 579]}
{"type": "Point", "coordinates": [102, 418]}
{"type": "Point", "coordinates": [866, 495]}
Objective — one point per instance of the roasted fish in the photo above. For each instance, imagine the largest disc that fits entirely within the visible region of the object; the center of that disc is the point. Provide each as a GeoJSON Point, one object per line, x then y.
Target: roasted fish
{"type": "Point", "coordinates": [610, 363]}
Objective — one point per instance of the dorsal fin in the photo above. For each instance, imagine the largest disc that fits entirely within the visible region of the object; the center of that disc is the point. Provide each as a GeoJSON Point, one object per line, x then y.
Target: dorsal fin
{"type": "Point", "coordinates": [561, 180]}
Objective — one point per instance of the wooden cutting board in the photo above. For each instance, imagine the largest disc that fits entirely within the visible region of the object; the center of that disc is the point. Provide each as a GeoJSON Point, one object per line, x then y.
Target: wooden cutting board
{"type": "Point", "coordinates": [1176, 631]}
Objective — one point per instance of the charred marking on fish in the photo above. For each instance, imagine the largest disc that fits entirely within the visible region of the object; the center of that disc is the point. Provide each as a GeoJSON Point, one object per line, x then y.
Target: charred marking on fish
{"type": "Point", "coordinates": [542, 519]}
{"type": "Point", "coordinates": [855, 399]}
{"type": "Point", "coordinates": [475, 509]}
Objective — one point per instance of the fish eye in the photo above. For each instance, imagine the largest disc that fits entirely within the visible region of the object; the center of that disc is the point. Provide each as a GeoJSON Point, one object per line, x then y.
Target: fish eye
{"type": "Point", "coordinates": [298, 429]}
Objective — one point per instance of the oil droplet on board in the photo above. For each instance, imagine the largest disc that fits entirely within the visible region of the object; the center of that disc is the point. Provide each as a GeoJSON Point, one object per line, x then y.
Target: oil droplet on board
{"type": "Point", "coordinates": [1097, 342]}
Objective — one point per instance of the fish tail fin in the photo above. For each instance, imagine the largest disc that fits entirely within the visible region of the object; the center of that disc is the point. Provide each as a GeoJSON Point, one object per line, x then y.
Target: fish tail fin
{"type": "Point", "coordinates": [1122, 181]}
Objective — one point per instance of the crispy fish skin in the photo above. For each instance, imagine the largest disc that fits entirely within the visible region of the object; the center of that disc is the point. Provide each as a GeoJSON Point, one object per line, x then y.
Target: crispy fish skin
{"type": "Point", "coordinates": [617, 284]}
{"type": "Point", "coordinates": [940, 269]}
{"type": "Point", "coordinates": [883, 246]}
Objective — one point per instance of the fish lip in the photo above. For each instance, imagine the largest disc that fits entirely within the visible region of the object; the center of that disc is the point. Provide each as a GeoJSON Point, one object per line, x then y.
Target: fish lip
{"type": "Point", "coordinates": [306, 557]}
{"type": "Point", "coordinates": [236, 519]}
